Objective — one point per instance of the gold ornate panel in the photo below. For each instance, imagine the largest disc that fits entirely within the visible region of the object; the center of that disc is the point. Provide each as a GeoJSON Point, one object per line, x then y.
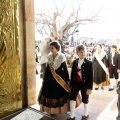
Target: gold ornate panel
{"type": "Point", "coordinates": [10, 81]}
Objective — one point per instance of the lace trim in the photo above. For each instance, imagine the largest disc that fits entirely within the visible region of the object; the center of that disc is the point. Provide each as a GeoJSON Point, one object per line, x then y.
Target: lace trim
{"type": "Point", "coordinates": [101, 55]}
{"type": "Point", "coordinates": [59, 59]}
{"type": "Point", "coordinates": [52, 103]}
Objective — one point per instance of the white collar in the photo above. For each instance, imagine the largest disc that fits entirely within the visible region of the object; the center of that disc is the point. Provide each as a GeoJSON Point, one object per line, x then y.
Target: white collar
{"type": "Point", "coordinates": [113, 53]}
{"type": "Point", "coordinates": [80, 62]}
{"type": "Point", "coordinates": [101, 55]}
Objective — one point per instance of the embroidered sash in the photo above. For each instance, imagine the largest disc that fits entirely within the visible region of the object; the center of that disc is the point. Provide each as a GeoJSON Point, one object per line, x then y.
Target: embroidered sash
{"type": "Point", "coordinates": [65, 86]}
{"type": "Point", "coordinates": [60, 80]}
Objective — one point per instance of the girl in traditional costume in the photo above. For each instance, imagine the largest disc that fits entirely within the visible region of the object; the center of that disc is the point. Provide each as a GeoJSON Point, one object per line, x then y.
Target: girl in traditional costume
{"type": "Point", "coordinates": [100, 72]}
{"type": "Point", "coordinates": [53, 96]}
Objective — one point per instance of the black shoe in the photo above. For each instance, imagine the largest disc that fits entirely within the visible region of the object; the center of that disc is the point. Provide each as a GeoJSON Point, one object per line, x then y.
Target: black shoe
{"type": "Point", "coordinates": [71, 118]}
{"type": "Point", "coordinates": [102, 88]}
{"type": "Point", "coordinates": [51, 114]}
{"type": "Point", "coordinates": [36, 72]}
{"type": "Point", "coordinates": [110, 89]}
{"type": "Point", "coordinates": [85, 117]}
{"type": "Point", "coordinates": [96, 88]}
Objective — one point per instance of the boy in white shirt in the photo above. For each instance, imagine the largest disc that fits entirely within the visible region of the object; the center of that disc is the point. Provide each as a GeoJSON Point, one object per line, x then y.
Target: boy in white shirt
{"type": "Point", "coordinates": [81, 80]}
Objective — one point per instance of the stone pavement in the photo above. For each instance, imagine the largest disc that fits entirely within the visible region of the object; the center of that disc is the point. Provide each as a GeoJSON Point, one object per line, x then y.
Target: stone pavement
{"type": "Point", "coordinates": [102, 105]}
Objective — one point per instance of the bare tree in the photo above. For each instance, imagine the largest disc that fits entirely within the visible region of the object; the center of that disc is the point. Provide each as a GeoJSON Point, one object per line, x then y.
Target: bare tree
{"type": "Point", "coordinates": [59, 23]}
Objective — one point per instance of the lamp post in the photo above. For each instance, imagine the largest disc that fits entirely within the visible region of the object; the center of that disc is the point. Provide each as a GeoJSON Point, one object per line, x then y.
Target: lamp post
{"type": "Point", "coordinates": [77, 35]}
{"type": "Point", "coordinates": [77, 38]}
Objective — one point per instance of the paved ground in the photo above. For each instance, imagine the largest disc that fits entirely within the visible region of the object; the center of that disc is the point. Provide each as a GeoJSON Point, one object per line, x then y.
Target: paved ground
{"type": "Point", "coordinates": [102, 106]}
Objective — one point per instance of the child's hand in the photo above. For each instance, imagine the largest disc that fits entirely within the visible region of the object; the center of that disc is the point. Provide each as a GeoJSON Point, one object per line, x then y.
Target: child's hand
{"type": "Point", "coordinates": [88, 92]}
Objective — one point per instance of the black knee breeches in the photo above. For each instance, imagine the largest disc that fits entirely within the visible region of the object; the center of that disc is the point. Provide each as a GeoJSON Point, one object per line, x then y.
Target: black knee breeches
{"type": "Point", "coordinates": [76, 88]}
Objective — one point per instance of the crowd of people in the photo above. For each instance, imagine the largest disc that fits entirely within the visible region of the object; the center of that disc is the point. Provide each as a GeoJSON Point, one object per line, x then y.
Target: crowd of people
{"type": "Point", "coordinates": [62, 85]}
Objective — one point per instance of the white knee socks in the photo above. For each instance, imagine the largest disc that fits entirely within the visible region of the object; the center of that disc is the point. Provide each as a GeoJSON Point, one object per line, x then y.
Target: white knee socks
{"type": "Point", "coordinates": [111, 83]}
{"type": "Point", "coordinates": [85, 109]}
{"type": "Point", "coordinates": [72, 108]}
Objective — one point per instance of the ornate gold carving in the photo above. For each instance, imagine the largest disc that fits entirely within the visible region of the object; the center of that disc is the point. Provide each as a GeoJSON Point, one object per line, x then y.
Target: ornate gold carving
{"type": "Point", "coordinates": [10, 81]}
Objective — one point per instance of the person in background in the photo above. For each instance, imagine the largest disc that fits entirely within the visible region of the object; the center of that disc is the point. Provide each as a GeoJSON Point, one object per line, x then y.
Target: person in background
{"type": "Point", "coordinates": [36, 58]}
{"type": "Point", "coordinates": [113, 66]}
{"type": "Point", "coordinates": [53, 97]}
{"type": "Point", "coordinates": [81, 80]}
{"type": "Point", "coordinates": [118, 50]}
{"type": "Point", "coordinates": [59, 41]}
{"type": "Point", "coordinates": [100, 72]}
{"type": "Point", "coordinates": [93, 51]}
{"type": "Point", "coordinates": [44, 50]}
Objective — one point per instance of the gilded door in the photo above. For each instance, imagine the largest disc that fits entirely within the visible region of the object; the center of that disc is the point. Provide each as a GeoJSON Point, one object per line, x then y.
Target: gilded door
{"type": "Point", "coordinates": [10, 81]}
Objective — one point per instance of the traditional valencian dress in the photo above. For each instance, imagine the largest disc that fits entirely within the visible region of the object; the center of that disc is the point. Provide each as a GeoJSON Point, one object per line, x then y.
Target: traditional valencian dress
{"type": "Point", "coordinates": [53, 97]}
{"type": "Point", "coordinates": [100, 73]}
